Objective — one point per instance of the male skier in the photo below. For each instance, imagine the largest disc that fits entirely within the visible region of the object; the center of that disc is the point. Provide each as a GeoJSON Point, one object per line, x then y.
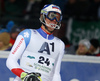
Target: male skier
{"type": "Point", "coordinates": [40, 52]}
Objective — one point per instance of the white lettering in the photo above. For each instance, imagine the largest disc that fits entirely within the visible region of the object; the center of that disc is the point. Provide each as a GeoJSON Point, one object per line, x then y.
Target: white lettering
{"type": "Point", "coordinates": [81, 33]}
{"type": "Point", "coordinates": [74, 80]}
{"type": "Point", "coordinates": [11, 79]}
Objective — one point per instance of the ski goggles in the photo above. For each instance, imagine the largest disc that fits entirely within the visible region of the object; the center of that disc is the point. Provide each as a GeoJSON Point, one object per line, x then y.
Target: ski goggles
{"type": "Point", "coordinates": [54, 15]}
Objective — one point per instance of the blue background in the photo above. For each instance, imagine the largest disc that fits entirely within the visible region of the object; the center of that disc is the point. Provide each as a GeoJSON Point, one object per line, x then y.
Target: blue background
{"type": "Point", "coordinates": [81, 71]}
{"type": "Point", "coordinates": [69, 70]}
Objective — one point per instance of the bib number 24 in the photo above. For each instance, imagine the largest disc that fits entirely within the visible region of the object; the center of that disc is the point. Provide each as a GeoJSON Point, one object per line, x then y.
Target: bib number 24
{"type": "Point", "coordinates": [43, 60]}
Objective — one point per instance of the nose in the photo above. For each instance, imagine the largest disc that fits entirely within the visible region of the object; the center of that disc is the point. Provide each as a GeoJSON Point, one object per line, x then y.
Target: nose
{"type": "Point", "coordinates": [54, 20]}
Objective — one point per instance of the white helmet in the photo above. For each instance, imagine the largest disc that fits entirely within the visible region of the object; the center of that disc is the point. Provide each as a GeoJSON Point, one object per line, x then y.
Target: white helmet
{"type": "Point", "coordinates": [51, 12]}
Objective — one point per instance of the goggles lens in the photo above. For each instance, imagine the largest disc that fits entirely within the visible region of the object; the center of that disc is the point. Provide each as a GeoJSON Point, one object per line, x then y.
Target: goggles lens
{"type": "Point", "coordinates": [54, 15]}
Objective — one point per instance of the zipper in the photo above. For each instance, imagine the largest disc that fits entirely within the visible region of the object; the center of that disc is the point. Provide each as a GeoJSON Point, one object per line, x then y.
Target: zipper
{"type": "Point", "coordinates": [47, 36]}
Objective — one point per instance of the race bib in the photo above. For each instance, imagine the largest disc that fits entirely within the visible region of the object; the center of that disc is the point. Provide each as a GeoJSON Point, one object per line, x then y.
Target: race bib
{"type": "Point", "coordinates": [41, 63]}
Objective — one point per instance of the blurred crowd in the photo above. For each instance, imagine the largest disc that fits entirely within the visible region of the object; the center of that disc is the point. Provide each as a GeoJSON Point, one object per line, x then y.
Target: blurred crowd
{"type": "Point", "coordinates": [26, 9]}
{"type": "Point", "coordinates": [85, 47]}
{"type": "Point", "coordinates": [82, 10]}
{"type": "Point", "coordinates": [29, 9]}
{"type": "Point", "coordinates": [9, 34]}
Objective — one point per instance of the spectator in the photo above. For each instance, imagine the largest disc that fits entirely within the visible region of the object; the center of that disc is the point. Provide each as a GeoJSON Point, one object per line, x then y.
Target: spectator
{"type": "Point", "coordinates": [94, 48]}
{"type": "Point", "coordinates": [8, 27]}
{"type": "Point", "coordinates": [4, 41]}
{"type": "Point", "coordinates": [13, 34]}
{"type": "Point", "coordinates": [83, 47]}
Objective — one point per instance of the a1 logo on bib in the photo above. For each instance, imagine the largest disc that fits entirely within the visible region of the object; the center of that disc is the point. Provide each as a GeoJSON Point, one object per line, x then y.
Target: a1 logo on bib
{"type": "Point", "coordinates": [45, 48]}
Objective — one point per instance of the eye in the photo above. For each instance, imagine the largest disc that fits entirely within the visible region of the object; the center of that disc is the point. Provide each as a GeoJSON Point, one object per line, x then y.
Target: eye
{"type": "Point", "coordinates": [52, 15]}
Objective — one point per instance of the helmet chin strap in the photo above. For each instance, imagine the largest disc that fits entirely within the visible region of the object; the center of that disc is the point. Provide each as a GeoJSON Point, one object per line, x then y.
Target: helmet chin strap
{"type": "Point", "coordinates": [45, 25]}
{"type": "Point", "coordinates": [48, 29]}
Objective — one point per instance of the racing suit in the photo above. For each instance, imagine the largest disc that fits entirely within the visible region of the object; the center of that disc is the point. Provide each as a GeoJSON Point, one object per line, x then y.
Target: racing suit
{"type": "Point", "coordinates": [37, 52]}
